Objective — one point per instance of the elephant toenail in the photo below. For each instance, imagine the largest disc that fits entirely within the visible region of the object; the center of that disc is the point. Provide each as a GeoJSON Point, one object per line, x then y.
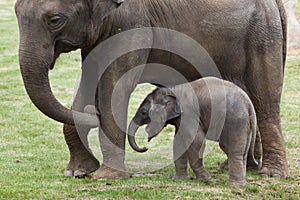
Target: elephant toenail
{"type": "Point", "coordinates": [264, 175]}
{"type": "Point", "coordinates": [276, 175]}
{"type": "Point", "coordinates": [79, 174]}
{"type": "Point", "coordinates": [68, 172]}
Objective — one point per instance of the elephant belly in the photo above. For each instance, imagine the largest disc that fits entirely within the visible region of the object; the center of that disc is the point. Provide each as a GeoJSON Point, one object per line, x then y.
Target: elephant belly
{"type": "Point", "coordinates": [229, 59]}
{"type": "Point", "coordinates": [176, 71]}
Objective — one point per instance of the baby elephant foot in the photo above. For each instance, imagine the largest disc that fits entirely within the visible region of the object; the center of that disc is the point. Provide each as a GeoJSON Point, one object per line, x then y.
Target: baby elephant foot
{"type": "Point", "coordinates": [203, 175]}
{"type": "Point", "coordinates": [237, 183]}
{"type": "Point", "coordinates": [181, 177]}
{"type": "Point", "coordinates": [106, 173]}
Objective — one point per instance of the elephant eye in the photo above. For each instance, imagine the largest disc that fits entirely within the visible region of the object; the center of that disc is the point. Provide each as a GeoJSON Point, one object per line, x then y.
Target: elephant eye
{"type": "Point", "coordinates": [55, 22]}
{"type": "Point", "coordinates": [144, 112]}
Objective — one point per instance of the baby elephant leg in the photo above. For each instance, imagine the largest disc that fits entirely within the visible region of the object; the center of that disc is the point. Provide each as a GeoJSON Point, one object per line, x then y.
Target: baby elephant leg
{"type": "Point", "coordinates": [237, 170]}
{"type": "Point", "coordinates": [195, 153]}
{"type": "Point", "coordinates": [181, 168]}
{"type": "Point", "coordinates": [237, 158]}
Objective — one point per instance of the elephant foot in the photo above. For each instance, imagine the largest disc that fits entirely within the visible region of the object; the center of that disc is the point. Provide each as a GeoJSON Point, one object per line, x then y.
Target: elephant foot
{"type": "Point", "coordinates": [203, 176]}
{"type": "Point", "coordinates": [274, 162]}
{"type": "Point", "coordinates": [105, 173]}
{"type": "Point", "coordinates": [240, 183]}
{"type": "Point", "coordinates": [274, 165]}
{"type": "Point", "coordinates": [181, 177]}
{"type": "Point", "coordinates": [82, 168]}
{"type": "Point", "coordinates": [273, 172]}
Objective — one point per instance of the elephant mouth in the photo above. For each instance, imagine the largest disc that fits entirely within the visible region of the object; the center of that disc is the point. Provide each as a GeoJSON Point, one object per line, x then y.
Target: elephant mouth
{"type": "Point", "coordinates": [148, 129]}
{"type": "Point", "coordinates": [56, 55]}
{"type": "Point", "coordinates": [52, 65]}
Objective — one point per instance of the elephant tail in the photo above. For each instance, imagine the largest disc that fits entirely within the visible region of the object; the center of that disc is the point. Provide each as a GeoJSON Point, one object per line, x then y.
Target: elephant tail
{"type": "Point", "coordinates": [283, 18]}
{"type": "Point", "coordinates": [253, 125]}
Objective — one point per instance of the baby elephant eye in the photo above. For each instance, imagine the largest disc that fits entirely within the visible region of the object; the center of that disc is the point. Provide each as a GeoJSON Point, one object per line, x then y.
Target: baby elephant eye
{"type": "Point", "coordinates": [144, 112]}
{"type": "Point", "coordinates": [55, 22]}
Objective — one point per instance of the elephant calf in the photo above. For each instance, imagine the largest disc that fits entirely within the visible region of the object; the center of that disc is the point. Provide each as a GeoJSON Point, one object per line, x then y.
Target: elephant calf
{"type": "Point", "coordinates": [205, 108]}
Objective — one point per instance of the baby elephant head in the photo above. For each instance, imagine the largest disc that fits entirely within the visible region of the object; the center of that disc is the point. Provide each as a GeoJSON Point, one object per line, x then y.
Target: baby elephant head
{"type": "Point", "coordinates": [159, 107]}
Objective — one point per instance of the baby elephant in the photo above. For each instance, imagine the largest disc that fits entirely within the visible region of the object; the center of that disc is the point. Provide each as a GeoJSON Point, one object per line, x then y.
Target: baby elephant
{"type": "Point", "coordinates": [200, 109]}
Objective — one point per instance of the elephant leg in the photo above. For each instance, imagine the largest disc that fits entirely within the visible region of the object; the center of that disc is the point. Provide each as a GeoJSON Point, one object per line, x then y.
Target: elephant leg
{"type": "Point", "coordinates": [195, 156]}
{"type": "Point", "coordinates": [113, 100]}
{"type": "Point", "coordinates": [257, 149]}
{"type": "Point", "coordinates": [199, 170]}
{"type": "Point", "coordinates": [250, 162]}
{"type": "Point", "coordinates": [180, 156]}
{"type": "Point", "coordinates": [274, 154]}
{"type": "Point", "coordinates": [113, 151]}
{"type": "Point", "coordinates": [237, 169]}
{"type": "Point", "coordinates": [112, 133]}
{"type": "Point", "coordinates": [181, 166]}
{"type": "Point", "coordinates": [82, 161]}
{"type": "Point", "coordinates": [264, 83]}
{"type": "Point", "coordinates": [235, 142]}
{"type": "Point", "coordinates": [236, 147]}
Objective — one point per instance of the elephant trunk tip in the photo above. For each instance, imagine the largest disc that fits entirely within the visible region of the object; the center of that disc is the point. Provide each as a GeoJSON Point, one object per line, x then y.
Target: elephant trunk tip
{"type": "Point", "coordinates": [150, 138]}
{"type": "Point", "coordinates": [134, 146]}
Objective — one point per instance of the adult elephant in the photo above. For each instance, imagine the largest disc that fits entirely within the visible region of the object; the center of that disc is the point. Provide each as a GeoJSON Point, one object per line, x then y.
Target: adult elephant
{"type": "Point", "coordinates": [246, 39]}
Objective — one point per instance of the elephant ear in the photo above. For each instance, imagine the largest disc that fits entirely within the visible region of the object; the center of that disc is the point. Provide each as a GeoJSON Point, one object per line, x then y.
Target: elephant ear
{"type": "Point", "coordinates": [172, 107]}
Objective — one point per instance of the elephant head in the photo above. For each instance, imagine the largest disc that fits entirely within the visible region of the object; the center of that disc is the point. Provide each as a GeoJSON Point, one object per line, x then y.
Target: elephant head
{"type": "Point", "coordinates": [157, 110]}
{"type": "Point", "coordinates": [48, 28]}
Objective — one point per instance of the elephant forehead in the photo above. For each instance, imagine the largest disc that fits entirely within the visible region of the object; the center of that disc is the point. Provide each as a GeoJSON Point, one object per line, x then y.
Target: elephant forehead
{"type": "Point", "coordinates": [160, 97]}
{"type": "Point", "coordinates": [24, 6]}
{"type": "Point", "coordinates": [37, 8]}
{"type": "Point", "coordinates": [159, 100]}
{"type": "Point", "coordinates": [164, 92]}
{"type": "Point", "coordinates": [156, 107]}
{"type": "Point", "coordinates": [157, 111]}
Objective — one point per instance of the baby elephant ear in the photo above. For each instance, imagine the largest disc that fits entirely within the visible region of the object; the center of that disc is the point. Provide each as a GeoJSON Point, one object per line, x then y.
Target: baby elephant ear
{"type": "Point", "coordinates": [172, 107]}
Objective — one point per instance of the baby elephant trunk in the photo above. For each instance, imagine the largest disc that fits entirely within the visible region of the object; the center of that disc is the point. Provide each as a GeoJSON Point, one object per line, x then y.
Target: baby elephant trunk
{"type": "Point", "coordinates": [132, 129]}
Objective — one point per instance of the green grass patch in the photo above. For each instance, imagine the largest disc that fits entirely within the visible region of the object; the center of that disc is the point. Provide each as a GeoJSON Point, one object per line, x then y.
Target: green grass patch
{"type": "Point", "coordinates": [33, 153]}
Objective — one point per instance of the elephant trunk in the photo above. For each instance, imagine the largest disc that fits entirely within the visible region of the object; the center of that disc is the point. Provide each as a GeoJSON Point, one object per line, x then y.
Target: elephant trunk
{"type": "Point", "coordinates": [132, 129]}
{"type": "Point", "coordinates": [34, 69]}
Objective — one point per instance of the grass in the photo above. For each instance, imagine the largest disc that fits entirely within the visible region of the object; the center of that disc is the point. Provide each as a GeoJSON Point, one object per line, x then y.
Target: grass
{"type": "Point", "coordinates": [33, 153]}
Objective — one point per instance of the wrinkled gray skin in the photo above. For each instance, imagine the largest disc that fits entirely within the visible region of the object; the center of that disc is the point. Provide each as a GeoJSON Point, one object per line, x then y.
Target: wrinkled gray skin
{"type": "Point", "coordinates": [161, 107]}
{"type": "Point", "coordinates": [246, 39]}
